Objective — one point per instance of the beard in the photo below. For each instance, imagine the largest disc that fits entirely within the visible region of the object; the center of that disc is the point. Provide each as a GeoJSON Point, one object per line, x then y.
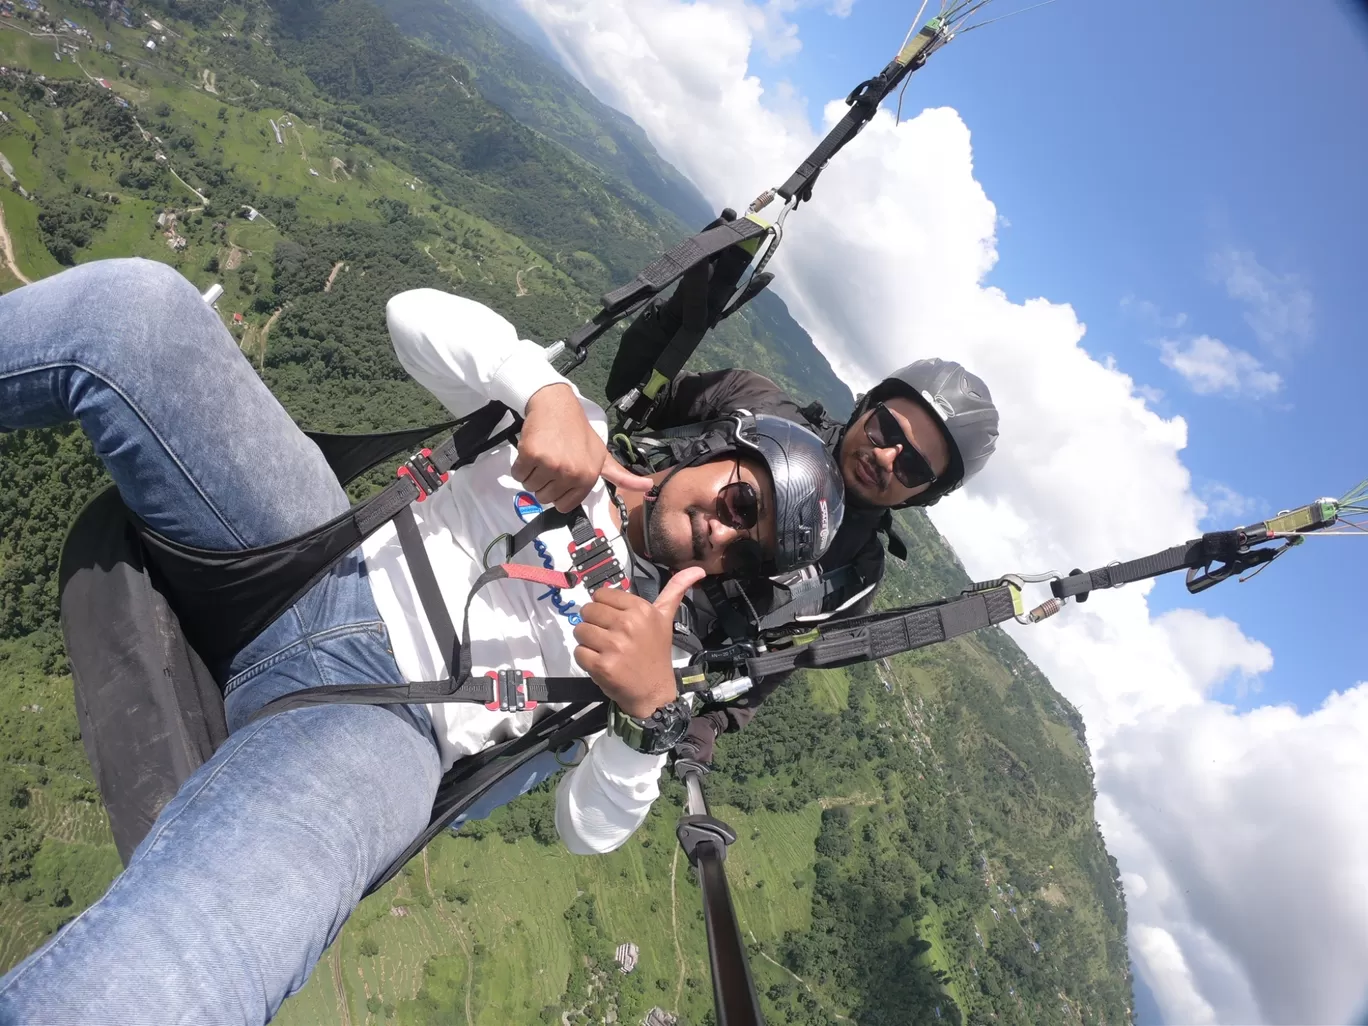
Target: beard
{"type": "Point", "coordinates": [672, 552]}
{"type": "Point", "coordinates": [878, 479]}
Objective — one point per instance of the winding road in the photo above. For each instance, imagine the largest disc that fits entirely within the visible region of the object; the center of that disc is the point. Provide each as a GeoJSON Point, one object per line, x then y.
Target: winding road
{"type": "Point", "coordinates": [8, 246]}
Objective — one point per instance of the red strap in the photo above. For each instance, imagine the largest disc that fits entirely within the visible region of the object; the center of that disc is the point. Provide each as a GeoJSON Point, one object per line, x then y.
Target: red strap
{"type": "Point", "coordinates": [540, 575]}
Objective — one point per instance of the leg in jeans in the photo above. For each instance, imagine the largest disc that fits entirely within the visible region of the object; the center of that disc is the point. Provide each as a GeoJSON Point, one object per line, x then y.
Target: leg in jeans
{"type": "Point", "coordinates": [252, 868]}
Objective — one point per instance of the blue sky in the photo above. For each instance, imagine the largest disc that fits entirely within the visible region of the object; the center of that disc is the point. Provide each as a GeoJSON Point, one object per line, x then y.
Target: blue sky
{"type": "Point", "coordinates": [1127, 145]}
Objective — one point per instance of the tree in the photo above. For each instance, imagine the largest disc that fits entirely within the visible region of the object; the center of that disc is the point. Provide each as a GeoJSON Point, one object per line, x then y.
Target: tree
{"type": "Point", "coordinates": [368, 948]}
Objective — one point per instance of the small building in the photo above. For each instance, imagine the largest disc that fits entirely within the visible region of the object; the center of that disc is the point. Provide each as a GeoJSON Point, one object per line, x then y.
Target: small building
{"type": "Point", "coordinates": [659, 1017]}
{"type": "Point", "coordinates": [237, 318]}
{"type": "Point", "coordinates": [252, 213]}
{"type": "Point", "coordinates": [161, 219]}
{"type": "Point", "coordinates": [313, 172]}
{"type": "Point", "coordinates": [151, 44]}
{"type": "Point", "coordinates": [104, 83]}
{"type": "Point", "coordinates": [627, 956]}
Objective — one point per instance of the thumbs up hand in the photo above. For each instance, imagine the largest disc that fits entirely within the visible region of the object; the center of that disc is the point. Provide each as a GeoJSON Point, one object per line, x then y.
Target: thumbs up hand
{"type": "Point", "coordinates": [625, 644]}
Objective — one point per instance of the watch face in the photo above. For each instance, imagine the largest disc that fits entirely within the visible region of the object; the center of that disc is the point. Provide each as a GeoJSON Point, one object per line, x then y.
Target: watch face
{"type": "Point", "coordinates": [672, 731]}
{"type": "Point", "coordinates": [657, 734]}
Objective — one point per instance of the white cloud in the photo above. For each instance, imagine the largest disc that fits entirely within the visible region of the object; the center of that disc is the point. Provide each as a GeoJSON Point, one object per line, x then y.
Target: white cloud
{"type": "Point", "coordinates": [1148, 311]}
{"type": "Point", "coordinates": [888, 264]}
{"type": "Point", "coordinates": [1278, 307]}
{"type": "Point", "coordinates": [1225, 506]}
{"type": "Point", "coordinates": [1257, 819]}
{"type": "Point", "coordinates": [1209, 366]}
{"type": "Point", "coordinates": [1175, 989]}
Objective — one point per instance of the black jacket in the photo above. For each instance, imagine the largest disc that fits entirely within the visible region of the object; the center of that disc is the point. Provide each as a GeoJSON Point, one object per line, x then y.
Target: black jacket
{"type": "Point", "coordinates": [692, 398]}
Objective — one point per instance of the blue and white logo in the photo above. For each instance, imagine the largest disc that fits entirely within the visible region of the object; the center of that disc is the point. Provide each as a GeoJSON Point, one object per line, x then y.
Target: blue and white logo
{"type": "Point", "coordinates": [527, 507]}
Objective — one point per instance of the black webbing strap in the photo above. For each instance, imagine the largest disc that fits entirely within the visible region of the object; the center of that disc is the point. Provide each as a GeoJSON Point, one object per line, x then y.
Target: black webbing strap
{"type": "Point", "coordinates": [693, 293]}
{"type": "Point", "coordinates": [425, 581]}
{"type": "Point", "coordinates": [663, 272]}
{"type": "Point", "coordinates": [473, 437]}
{"type": "Point", "coordinates": [1216, 545]}
{"type": "Point", "coordinates": [546, 520]}
{"type": "Point", "coordinates": [504, 690]}
{"type": "Point", "coordinates": [864, 104]}
{"type": "Point", "coordinates": [888, 633]}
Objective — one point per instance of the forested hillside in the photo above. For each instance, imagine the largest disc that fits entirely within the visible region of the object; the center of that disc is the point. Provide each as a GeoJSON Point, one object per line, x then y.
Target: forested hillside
{"type": "Point", "coordinates": [916, 838]}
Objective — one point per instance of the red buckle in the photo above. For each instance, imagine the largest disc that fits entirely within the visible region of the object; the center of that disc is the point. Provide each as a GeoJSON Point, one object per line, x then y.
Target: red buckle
{"type": "Point", "coordinates": [598, 537]}
{"type": "Point", "coordinates": [420, 469]}
{"type": "Point", "coordinates": [510, 691]}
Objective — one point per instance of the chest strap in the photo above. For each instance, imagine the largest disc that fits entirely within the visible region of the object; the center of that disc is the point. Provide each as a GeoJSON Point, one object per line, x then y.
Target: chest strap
{"type": "Point", "coordinates": [504, 690]}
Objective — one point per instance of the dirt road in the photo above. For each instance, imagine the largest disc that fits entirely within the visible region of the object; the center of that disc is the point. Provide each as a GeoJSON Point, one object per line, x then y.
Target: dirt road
{"type": "Point", "coordinates": [8, 247]}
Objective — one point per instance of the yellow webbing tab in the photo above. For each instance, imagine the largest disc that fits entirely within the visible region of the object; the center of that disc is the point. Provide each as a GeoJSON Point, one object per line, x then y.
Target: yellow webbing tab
{"type": "Point", "coordinates": [919, 42]}
{"type": "Point", "coordinates": [657, 382]}
{"type": "Point", "coordinates": [1018, 607]}
{"type": "Point", "coordinates": [752, 245]}
{"type": "Point", "coordinates": [1315, 515]}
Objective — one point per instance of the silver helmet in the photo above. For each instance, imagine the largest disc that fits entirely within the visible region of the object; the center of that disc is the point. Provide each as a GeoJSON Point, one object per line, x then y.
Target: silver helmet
{"type": "Point", "coordinates": [809, 494]}
{"type": "Point", "coordinates": [963, 407]}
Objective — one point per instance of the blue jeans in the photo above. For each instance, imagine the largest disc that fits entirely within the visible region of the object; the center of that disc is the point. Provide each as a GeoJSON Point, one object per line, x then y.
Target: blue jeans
{"type": "Point", "coordinates": [251, 870]}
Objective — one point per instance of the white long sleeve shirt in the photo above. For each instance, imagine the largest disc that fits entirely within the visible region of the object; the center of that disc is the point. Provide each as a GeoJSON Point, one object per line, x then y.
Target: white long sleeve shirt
{"type": "Point", "coordinates": [466, 354]}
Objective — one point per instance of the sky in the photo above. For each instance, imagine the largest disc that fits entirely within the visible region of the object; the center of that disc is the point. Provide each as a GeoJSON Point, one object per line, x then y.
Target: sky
{"type": "Point", "coordinates": [1141, 223]}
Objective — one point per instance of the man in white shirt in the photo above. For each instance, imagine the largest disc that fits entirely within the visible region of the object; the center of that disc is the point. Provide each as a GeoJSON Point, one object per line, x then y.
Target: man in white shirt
{"type": "Point", "coordinates": [253, 867]}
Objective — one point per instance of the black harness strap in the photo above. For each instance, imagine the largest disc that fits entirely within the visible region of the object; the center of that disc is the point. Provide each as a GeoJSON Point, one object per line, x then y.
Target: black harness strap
{"type": "Point", "coordinates": [884, 634]}
{"type": "Point", "coordinates": [503, 690]}
{"type": "Point", "coordinates": [663, 272]}
{"type": "Point", "coordinates": [1192, 555]}
{"type": "Point", "coordinates": [425, 581]}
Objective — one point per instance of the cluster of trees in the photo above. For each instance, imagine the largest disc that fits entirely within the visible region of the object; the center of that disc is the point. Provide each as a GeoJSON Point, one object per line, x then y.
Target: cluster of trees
{"type": "Point", "coordinates": [67, 222]}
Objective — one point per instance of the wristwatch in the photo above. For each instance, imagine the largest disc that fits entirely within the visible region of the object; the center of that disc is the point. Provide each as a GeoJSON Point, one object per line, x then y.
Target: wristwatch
{"type": "Point", "coordinates": [656, 734]}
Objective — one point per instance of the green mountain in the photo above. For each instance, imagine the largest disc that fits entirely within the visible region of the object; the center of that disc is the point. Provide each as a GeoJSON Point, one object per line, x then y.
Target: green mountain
{"type": "Point", "coordinates": [909, 832]}
{"type": "Point", "coordinates": [518, 78]}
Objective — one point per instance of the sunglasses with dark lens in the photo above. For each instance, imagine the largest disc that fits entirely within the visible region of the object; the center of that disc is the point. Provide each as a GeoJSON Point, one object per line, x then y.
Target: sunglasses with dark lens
{"type": "Point", "coordinates": [738, 506]}
{"type": "Point", "coordinates": [911, 468]}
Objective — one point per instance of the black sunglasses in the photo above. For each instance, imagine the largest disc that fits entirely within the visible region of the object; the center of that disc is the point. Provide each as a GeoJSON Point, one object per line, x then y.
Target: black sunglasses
{"type": "Point", "coordinates": [911, 468]}
{"type": "Point", "coordinates": [738, 506]}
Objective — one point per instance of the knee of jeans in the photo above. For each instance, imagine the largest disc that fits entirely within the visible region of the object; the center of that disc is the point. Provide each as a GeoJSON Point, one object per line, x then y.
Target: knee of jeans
{"type": "Point", "coordinates": [160, 304]}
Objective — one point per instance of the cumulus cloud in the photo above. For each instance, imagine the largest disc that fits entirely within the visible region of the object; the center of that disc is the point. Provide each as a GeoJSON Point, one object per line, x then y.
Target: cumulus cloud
{"type": "Point", "coordinates": [889, 263]}
{"type": "Point", "coordinates": [1255, 819]}
{"type": "Point", "coordinates": [1224, 505]}
{"type": "Point", "coordinates": [1278, 307]}
{"type": "Point", "coordinates": [1209, 366]}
